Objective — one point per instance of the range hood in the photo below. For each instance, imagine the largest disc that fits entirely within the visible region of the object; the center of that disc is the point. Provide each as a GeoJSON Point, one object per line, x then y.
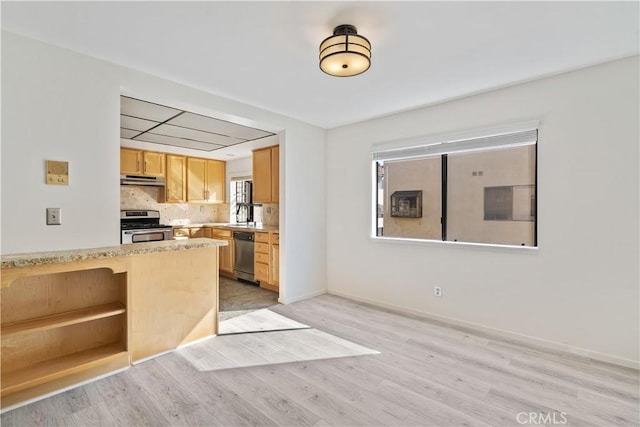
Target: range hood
{"type": "Point", "coordinates": [152, 181]}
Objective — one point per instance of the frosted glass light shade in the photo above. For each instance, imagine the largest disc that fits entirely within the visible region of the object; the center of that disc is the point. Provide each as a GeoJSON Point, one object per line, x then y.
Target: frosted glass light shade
{"type": "Point", "coordinates": [345, 53]}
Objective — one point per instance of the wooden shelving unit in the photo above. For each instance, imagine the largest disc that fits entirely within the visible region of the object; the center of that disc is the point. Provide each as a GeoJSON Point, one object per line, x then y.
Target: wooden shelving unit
{"type": "Point", "coordinates": [62, 319]}
{"type": "Point", "coordinates": [61, 327]}
{"type": "Point", "coordinates": [56, 368]}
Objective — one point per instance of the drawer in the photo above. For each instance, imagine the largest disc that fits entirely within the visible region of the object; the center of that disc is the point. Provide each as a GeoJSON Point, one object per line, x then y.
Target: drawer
{"type": "Point", "coordinates": [275, 238]}
{"type": "Point", "coordinates": [262, 248]}
{"type": "Point", "coordinates": [263, 258]}
{"type": "Point", "coordinates": [261, 237]}
{"type": "Point", "coordinates": [200, 232]}
{"type": "Point", "coordinates": [262, 272]}
{"type": "Point", "coordinates": [181, 232]}
{"type": "Point", "coordinates": [217, 233]}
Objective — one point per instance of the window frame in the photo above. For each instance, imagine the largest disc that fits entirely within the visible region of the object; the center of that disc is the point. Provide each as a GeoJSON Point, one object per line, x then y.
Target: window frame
{"type": "Point", "coordinates": [442, 140]}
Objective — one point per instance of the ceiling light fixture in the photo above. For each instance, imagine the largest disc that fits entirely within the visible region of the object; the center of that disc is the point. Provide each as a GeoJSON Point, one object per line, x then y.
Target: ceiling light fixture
{"type": "Point", "coordinates": [345, 53]}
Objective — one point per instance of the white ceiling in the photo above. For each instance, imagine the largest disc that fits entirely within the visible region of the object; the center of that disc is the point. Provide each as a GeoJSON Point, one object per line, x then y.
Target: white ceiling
{"type": "Point", "coordinates": [266, 53]}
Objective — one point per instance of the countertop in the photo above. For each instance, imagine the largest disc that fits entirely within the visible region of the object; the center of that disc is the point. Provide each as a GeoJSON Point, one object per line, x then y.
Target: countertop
{"type": "Point", "coordinates": [55, 257]}
{"type": "Point", "coordinates": [235, 227]}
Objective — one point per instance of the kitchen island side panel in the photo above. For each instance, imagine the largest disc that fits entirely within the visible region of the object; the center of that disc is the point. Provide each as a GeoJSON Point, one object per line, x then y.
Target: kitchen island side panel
{"type": "Point", "coordinates": [176, 307]}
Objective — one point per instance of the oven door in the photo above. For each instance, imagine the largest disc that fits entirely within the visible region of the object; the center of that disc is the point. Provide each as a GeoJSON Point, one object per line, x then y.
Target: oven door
{"type": "Point", "coordinates": [148, 235]}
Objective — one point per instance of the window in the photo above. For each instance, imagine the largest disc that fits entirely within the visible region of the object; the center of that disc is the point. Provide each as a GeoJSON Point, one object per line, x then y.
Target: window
{"type": "Point", "coordinates": [498, 203]}
{"type": "Point", "coordinates": [242, 208]}
{"type": "Point", "coordinates": [477, 190]}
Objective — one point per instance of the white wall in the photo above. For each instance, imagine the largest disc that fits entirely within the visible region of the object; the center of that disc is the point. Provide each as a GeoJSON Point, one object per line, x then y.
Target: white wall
{"type": "Point", "coordinates": [61, 105]}
{"type": "Point", "coordinates": [580, 289]}
{"type": "Point", "coordinates": [239, 167]}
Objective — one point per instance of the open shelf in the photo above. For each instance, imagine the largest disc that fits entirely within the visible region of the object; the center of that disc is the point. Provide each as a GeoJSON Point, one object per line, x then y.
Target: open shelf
{"type": "Point", "coordinates": [62, 319]}
{"type": "Point", "coordinates": [52, 369]}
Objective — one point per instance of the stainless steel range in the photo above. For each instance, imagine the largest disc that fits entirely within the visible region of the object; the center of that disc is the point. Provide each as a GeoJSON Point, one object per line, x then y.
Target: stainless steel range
{"type": "Point", "coordinates": [143, 226]}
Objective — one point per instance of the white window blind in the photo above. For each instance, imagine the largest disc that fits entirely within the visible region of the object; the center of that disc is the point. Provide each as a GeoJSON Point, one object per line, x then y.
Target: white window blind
{"type": "Point", "coordinates": [505, 140]}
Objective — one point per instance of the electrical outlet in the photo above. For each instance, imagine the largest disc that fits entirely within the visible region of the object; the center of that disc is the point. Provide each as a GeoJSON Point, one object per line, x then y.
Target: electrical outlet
{"type": "Point", "coordinates": [437, 291]}
{"type": "Point", "coordinates": [53, 216]}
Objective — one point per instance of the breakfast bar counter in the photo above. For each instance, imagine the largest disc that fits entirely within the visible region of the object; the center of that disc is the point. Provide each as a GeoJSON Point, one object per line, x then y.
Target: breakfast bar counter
{"type": "Point", "coordinates": [55, 257]}
{"type": "Point", "coordinates": [69, 316]}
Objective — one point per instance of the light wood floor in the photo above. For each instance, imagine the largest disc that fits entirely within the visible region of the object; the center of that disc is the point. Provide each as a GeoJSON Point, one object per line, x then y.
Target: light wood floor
{"type": "Point", "coordinates": [425, 375]}
{"type": "Point", "coordinates": [261, 320]}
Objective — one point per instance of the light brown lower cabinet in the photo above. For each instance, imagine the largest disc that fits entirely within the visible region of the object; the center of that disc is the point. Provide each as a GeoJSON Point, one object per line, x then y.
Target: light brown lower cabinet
{"type": "Point", "coordinates": [226, 252]}
{"type": "Point", "coordinates": [192, 232]}
{"type": "Point", "coordinates": [183, 233]}
{"type": "Point", "coordinates": [261, 258]}
{"type": "Point", "coordinates": [275, 260]}
{"type": "Point", "coordinates": [199, 232]}
{"type": "Point", "coordinates": [264, 272]}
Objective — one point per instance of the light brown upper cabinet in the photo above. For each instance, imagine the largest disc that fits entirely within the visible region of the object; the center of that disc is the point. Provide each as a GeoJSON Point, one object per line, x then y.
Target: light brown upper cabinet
{"type": "Point", "coordinates": [176, 179]}
{"type": "Point", "coordinates": [205, 180]}
{"type": "Point", "coordinates": [266, 174]}
{"type": "Point", "coordinates": [139, 162]}
{"type": "Point", "coordinates": [153, 163]}
{"type": "Point", "coordinates": [130, 161]}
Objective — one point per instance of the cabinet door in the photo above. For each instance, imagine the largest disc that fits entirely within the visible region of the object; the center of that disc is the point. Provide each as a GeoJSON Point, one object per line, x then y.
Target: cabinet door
{"type": "Point", "coordinates": [182, 233]}
{"type": "Point", "coordinates": [275, 174]}
{"type": "Point", "coordinates": [176, 179]}
{"type": "Point", "coordinates": [174, 300]}
{"type": "Point", "coordinates": [262, 176]}
{"type": "Point", "coordinates": [261, 273]}
{"type": "Point", "coordinates": [226, 257]}
{"type": "Point", "coordinates": [215, 182]}
{"type": "Point", "coordinates": [153, 164]}
{"type": "Point", "coordinates": [130, 161]}
{"type": "Point", "coordinates": [196, 179]}
{"type": "Point", "coordinates": [200, 232]}
{"type": "Point", "coordinates": [275, 265]}
{"type": "Point", "coordinates": [261, 237]}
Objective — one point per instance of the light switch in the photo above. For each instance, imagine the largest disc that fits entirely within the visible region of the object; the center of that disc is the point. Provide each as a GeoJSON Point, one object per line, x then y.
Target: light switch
{"type": "Point", "coordinates": [53, 216]}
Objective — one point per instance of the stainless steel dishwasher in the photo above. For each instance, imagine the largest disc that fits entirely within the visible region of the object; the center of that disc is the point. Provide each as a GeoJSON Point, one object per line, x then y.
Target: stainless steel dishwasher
{"type": "Point", "coordinates": [243, 264]}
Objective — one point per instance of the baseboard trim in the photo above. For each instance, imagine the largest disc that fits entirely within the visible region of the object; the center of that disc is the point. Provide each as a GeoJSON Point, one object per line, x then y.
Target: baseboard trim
{"type": "Point", "coordinates": [501, 333]}
{"type": "Point", "coordinates": [301, 297]}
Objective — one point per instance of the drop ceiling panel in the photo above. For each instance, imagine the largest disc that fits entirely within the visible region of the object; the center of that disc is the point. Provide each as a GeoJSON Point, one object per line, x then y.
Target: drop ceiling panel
{"type": "Point", "coordinates": [128, 133]}
{"type": "Point", "coordinates": [177, 142]}
{"type": "Point", "coordinates": [145, 121]}
{"type": "Point", "coordinates": [145, 110]}
{"type": "Point", "coordinates": [196, 135]}
{"type": "Point", "coordinates": [209, 124]}
{"type": "Point", "coordinates": [135, 123]}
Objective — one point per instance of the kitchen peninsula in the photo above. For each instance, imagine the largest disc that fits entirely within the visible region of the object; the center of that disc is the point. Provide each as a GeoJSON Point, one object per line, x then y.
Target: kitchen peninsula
{"type": "Point", "coordinates": [70, 316]}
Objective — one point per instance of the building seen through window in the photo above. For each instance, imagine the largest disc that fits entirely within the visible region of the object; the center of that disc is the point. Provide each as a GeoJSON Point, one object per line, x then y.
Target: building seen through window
{"type": "Point", "coordinates": [476, 192]}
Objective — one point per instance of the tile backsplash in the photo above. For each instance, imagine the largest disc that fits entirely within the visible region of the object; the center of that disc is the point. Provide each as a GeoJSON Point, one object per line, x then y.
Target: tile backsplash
{"type": "Point", "coordinates": [270, 214]}
{"type": "Point", "coordinates": [139, 197]}
{"type": "Point", "coordinates": [134, 197]}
